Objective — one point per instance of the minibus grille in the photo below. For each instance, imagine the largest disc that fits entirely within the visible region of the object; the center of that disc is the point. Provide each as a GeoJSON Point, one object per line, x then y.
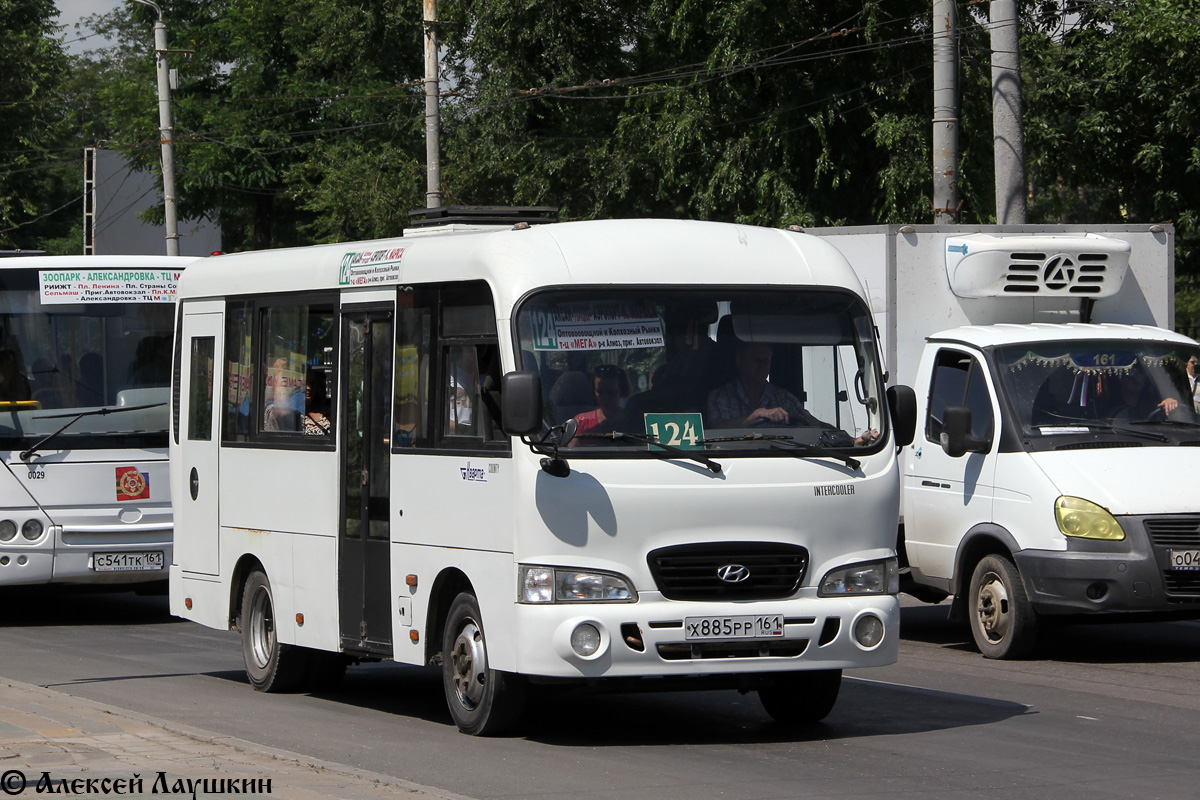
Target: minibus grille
{"type": "Point", "coordinates": [1176, 533]}
{"type": "Point", "coordinates": [728, 570]}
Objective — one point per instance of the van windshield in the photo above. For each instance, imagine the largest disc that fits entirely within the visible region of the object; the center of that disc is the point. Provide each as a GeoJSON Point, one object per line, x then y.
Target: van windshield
{"type": "Point", "coordinates": [1076, 387]}
{"type": "Point", "coordinates": [62, 354]}
{"type": "Point", "coordinates": [729, 371]}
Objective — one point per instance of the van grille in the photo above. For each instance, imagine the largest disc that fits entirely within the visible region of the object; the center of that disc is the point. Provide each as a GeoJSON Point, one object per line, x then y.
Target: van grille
{"type": "Point", "coordinates": [1181, 532]}
{"type": "Point", "coordinates": [690, 572]}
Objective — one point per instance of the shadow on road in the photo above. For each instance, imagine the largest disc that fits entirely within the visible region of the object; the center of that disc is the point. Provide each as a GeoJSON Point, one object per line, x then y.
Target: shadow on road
{"type": "Point", "coordinates": [33, 606]}
{"type": "Point", "coordinates": [1093, 640]}
{"type": "Point", "coordinates": [571, 718]}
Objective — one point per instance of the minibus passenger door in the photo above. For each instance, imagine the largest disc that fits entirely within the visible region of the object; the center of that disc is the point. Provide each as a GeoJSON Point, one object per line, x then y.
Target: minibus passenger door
{"type": "Point", "coordinates": [364, 572]}
{"type": "Point", "coordinates": [196, 514]}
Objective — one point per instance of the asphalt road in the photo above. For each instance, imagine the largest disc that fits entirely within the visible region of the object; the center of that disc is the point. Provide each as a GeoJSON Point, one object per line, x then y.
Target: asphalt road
{"type": "Point", "coordinates": [1102, 711]}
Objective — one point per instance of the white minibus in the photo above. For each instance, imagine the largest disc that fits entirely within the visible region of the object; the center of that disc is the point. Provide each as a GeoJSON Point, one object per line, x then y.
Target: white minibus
{"type": "Point", "coordinates": [595, 452]}
{"type": "Point", "coordinates": [85, 378]}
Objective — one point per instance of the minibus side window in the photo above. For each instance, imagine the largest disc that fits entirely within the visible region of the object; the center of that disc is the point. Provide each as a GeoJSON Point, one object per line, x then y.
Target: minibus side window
{"type": "Point", "coordinates": [239, 371]}
{"type": "Point", "coordinates": [200, 389]}
{"type": "Point", "coordinates": [295, 385]}
{"type": "Point", "coordinates": [413, 331]}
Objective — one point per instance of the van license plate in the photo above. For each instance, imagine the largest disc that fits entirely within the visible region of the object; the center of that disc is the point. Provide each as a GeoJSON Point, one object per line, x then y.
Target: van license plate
{"type": "Point", "coordinates": [762, 626]}
{"type": "Point", "coordinates": [125, 562]}
{"type": "Point", "coordinates": [1183, 559]}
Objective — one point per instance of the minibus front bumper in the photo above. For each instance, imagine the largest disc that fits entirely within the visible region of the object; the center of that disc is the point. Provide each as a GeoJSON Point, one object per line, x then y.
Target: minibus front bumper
{"type": "Point", "coordinates": [655, 637]}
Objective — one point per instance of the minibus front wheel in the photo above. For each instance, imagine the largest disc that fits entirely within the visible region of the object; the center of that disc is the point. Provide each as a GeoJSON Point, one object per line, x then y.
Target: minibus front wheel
{"type": "Point", "coordinates": [482, 701]}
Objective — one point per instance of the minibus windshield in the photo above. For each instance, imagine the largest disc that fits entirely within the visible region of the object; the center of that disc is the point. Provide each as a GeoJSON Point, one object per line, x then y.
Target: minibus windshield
{"type": "Point", "coordinates": [724, 371]}
{"type": "Point", "coordinates": [61, 355]}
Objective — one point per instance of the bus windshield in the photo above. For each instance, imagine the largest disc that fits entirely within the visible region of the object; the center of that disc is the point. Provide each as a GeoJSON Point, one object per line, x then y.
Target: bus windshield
{"type": "Point", "coordinates": [69, 347]}
{"type": "Point", "coordinates": [734, 371]}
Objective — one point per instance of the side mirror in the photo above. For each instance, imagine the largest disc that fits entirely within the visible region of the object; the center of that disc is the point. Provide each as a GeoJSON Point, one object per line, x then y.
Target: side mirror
{"type": "Point", "coordinates": [956, 432]}
{"type": "Point", "coordinates": [521, 396]}
{"type": "Point", "coordinates": [902, 403]}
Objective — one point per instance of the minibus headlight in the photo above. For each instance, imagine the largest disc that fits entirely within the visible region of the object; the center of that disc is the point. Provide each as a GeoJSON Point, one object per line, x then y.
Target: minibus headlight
{"type": "Point", "coordinates": [8, 530]}
{"type": "Point", "coordinates": [872, 577]}
{"type": "Point", "coordinates": [558, 585]}
{"type": "Point", "coordinates": [1084, 519]}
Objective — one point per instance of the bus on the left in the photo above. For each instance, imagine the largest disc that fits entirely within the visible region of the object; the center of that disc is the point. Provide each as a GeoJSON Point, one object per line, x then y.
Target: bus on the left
{"type": "Point", "coordinates": [85, 374]}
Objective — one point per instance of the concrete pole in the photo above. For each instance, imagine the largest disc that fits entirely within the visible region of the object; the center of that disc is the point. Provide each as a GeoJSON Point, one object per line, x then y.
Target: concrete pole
{"type": "Point", "coordinates": [166, 136]}
{"type": "Point", "coordinates": [945, 112]}
{"type": "Point", "coordinates": [433, 180]}
{"type": "Point", "coordinates": [1008, 133]}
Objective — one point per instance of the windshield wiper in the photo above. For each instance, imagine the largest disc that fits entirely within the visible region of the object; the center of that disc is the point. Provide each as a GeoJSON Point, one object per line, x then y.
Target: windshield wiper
{"type": "Point", "coordinates": [1157, 437]}
{"type": "Point", "coordinates": [1182, 422]}
{"type": "Point", "coordinates": [713, 466]}
{"type": "Point", "coordinates": [789, 443]}
{"type": "Point", "coordinates": [24, 455]}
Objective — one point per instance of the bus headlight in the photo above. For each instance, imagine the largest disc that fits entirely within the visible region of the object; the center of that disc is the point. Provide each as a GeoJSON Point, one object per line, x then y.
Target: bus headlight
{"type": "Point", "coordinates": [559, 585]}
{"type": "Point", "coordinates": [1084, 519]}
{"type": "Point", "coordinates": [32, 529]}
{"type": "Point", "coordinates": [8, 530]}
{"type": "Point", "coordinates": [871, 577]}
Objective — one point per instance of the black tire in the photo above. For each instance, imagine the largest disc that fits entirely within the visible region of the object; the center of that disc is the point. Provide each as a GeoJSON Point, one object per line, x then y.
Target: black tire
{"type": "Point", "coordinates": [270, 666]}
{"type": "Point", "coordinates": [801, 698]}
{"type": "Point", "coordinates": [482, 701]}
{"type": "Point", "coordinates": [1003, 621]}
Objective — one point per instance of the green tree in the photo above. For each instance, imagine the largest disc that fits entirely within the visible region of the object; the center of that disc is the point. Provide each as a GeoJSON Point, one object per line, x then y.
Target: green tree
{"type": "Point", "coordinates": [295, 122]}
{"type": "Point", "coordinates": [33, 69]}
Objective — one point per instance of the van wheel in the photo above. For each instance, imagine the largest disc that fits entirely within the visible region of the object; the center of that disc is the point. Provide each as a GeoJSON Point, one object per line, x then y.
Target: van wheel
{"type": "Point", "coordinates": [482, 701]}
{"type": "Point", "coordinates": [1003, 622]}
{"type": "Point", "coordinates": [270, 666]}
{"type": "Point", "coordinates": [801, 698]}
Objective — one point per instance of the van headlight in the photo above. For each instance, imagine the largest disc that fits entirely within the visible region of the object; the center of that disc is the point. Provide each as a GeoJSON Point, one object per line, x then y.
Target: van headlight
{"type": "Point", "coordinates": [1083, 519]}
{"type": "Point", "coordinates": [870, 577]}
{"type": "Point", "coordinates": [560, 585]}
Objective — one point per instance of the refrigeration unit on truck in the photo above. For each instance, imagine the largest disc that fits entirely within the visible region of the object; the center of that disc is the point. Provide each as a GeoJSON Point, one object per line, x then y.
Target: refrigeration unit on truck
{"type": "Point", "coordinates": [1058, 442]}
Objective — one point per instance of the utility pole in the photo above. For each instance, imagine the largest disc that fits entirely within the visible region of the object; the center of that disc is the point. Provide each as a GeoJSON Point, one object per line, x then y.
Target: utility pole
{"type": "Point", "coordinates": [945, 113]}
{"type": "Point", "coordinates": [165, 129]}
{"type": "Point", "coordinates": [1008, 132]}
{"type": "Point", "coordinates": [433, 179]}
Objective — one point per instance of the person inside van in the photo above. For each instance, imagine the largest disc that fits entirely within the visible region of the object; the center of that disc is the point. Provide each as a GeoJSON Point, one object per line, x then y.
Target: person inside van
{"type": "Point", "coordinates": [1136, 397]}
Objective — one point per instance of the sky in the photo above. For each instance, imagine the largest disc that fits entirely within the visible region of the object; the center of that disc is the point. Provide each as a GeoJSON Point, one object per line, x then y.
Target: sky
{"type": "Point", "coordinates": [72, 11]}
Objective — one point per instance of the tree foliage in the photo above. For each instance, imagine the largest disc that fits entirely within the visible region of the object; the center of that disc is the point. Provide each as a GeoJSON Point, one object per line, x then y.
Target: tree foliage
{"type": "Point", "coordinates": [33, 70]}
{"type": "Point", "coordinates": [303, 122]}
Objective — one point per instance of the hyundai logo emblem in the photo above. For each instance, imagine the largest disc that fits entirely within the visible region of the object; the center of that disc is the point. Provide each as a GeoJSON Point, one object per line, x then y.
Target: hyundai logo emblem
{"type": "Point", "coordinates": [733, 573]}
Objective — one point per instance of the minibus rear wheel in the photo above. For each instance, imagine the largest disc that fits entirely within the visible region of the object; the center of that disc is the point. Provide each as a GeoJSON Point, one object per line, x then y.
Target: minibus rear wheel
{"type": "Point", "coordinates": [270, 666]}
{"type": "Point", "coordinates": [801, 698]}
{"type": "Point", "coordinates": [482, 701]}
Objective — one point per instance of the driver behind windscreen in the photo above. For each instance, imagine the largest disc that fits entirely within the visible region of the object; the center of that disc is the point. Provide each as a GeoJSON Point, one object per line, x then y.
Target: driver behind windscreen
{"type": "Point", "coordinates": [750, 397]}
